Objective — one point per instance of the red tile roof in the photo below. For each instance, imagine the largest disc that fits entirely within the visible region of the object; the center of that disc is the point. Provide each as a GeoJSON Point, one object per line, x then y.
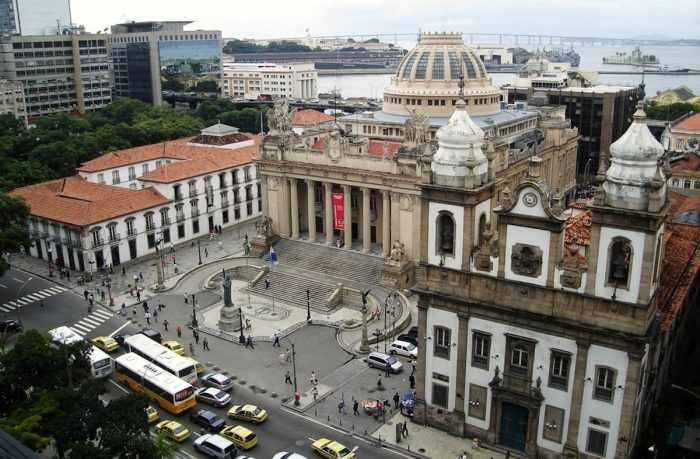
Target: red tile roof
{"type": "Point", "coordinates": [75, 201]}
{"type": "Point", "coordinates": [319, 145]}
{"type": "Point", "coordinates": [376, 148]}
{"type": "Point", "coordinates": [311, 117]}
{"type": "Point", "coordinates": [690, 162]}
{"type": "Point", "coordinates": [691, 123]}
{"type": "Point", "coordinates": [578, 229]}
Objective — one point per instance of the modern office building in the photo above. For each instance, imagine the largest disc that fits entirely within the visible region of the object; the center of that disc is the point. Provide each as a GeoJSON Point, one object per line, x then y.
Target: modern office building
{"type": "Point", "coordinates": [287, 81]}
{"type": "Point", "coordinates": [59, 73]}
{"type": "Point", "coordinates": [34, 17]}
{"type": "Point", "coordinates": [152, 56]}
{"type": "Point", "coordinates": [12, 99]}
{"type": "Point", "coordinates": [121, 203]}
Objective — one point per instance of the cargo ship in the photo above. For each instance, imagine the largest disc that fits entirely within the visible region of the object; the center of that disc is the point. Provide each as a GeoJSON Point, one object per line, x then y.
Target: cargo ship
{"type": "Point", "coordinates": [634, 58]}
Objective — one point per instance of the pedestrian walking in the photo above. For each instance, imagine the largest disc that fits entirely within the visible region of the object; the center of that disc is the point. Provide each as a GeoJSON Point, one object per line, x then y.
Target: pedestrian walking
{"type": "Point", "coordinates": [205, 344]}
{"type": "Point", "coordinates": [388, 370]}
{"type": "Point", "coordinates": [221, 245]}
{"type": "Point", "coordinates": [191, 349]}
{"type": "Point", "coordinates": [155, 316]}
{"type": "Point", "coordinates": [145, 306]}
{"type": "Point", "coordinates": [148, 318]}
{"type": "Point", "coordinates": [313, 378]}
{"type": "Point", "coordinates": [134, 312]}
{"type": "Point", "coordinates": [341, 407]}
{"type": "Point", "coordinates": [276, 340]}
{"type": "Point", "coordinates": [141, 276]}
{"type": "Point", "coordinates": [282, 358]}
{"type": "Point", "coordinates": [355, 406]}
{"type": "Point", "coordinates": [195, 333]}
{"type": "Point", "coordinates": [379, 382]}
{"type": "Point", "coordinates": [314, 392]}
{"type": "Point", "coordinates": [404, 429]}
{"type": "Point", "coordinates": [136, 279]}
{"type": "Point", "coordinates": [185, 295]}
{"type": "Point", "coordinates": [288, 355]}
{"type": "Point", "coordinates": [396, 400]}
{"type": "Point", "coordinates": [249, 343]}
{"type": "Point", "coordinates": [206, 252]}
{"type": "Point", "coordinates": [86, 293]}
{"type": "Point", "coordinates": [172, 248]}
{"type": "Point", "coordinates": [412, 381]}
{"type": "Point", "coordinates": [158, 306]}
{"type": "Point", "coordinates": [248, 324]}
{"type": "Point", "coordinates": [175, 268]}
{"type": "Point", "coordinates": [165, 324]}
{"type": "Point", "coordinates": [178, 330]}
{"type": "Point", "coordinates": [288, 377]}
{"type": "Point", "coordinates": [138, 294]}
{"type": "Point", "coordinates": [413, 367]}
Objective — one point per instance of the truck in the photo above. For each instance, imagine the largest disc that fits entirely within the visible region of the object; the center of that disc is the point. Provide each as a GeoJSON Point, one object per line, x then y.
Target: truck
{"type": "Point", "coordinates": [251, 95]}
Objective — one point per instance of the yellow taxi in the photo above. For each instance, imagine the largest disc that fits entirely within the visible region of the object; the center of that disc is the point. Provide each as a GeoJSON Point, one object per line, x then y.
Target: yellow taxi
{"type": "Point", "coordinates": [332, 449]}
{"type": "Point", "coordinates": [174, 346]}
{"type": "Point", "coordinates": [173, 430]}
{"type": "Point", "coordinates": [240, 436]}
{"type": "Point", "coordinates": [198, 367]}
{"type": "Point", "coordinates": [151, 414]}
{"type": "Point", "coordinates": [249, 413]}
{"type": "Point", "coordinates": [105, 343]}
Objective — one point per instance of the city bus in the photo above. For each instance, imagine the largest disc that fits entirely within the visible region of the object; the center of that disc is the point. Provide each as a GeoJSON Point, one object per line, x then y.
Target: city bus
{"type": "Point", "coordinates": [162, 356]}
{"type": "Point", "coordinates": [100, 362]}
{"type": "Point", "coordinates": [170, 392]}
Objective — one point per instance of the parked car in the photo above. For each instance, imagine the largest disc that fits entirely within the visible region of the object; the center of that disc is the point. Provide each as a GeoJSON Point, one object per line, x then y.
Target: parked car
{"type": "Point", "coordinates": [403, 348]}
{"type": "Point", "coordinates": [10, 325]}
{"type": "Point", "coordinates": [408, 338]}
{"type": "Point", "coordinates": [217, 380]}
{"type": "Point", "coordinates": [288, 455]}
{"type": "Point", "coordinates": [413, 331]}
{"type": "Point", "coordinates": [212, 396]}
{"type": "Point", "coordinates": [211, 421]}
{"type": "Point", "coordinates": [381, 360]}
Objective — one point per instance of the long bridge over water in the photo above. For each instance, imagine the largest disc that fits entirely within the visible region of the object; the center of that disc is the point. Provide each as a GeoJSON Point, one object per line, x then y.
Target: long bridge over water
{"type": "Point", "coordinates": [503, 38]}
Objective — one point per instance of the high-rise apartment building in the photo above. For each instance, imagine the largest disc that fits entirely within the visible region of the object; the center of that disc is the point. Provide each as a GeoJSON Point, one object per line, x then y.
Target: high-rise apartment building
{"type": "Point", "coordinates": [34, 17]}
{"type": "Point", "coordinates": [149, 57]}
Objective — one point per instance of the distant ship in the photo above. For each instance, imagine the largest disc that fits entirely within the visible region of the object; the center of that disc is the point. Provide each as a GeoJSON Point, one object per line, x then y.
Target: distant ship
{"type": "Point", "coordinates": [634, 58]}
{"type": "Point", "coordinates": [563, 55]}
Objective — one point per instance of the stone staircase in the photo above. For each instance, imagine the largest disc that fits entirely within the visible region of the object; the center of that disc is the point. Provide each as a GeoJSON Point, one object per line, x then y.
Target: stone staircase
{"type": "Point", "coordinates": [291, 289]}
{"type": "Point", "coordinates": [331, 261]}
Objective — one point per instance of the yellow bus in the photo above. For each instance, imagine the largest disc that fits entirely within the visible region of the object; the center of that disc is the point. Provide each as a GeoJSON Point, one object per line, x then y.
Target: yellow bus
{"type": "Point", "coordinates": [170, 392]}
{"type": "Point", "coordinates": [154, 352]}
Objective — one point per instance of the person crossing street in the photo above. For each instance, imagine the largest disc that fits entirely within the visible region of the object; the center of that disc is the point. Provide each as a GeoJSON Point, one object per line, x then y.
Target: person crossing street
{"type": "Point", "coordinates": [165, 324]}
{"type": "Point", "coordinates": [288, 377]}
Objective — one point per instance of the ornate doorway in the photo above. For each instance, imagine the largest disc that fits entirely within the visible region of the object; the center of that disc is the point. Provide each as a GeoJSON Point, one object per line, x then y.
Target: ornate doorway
{"type": "Point", "coordinates": [513, 426]}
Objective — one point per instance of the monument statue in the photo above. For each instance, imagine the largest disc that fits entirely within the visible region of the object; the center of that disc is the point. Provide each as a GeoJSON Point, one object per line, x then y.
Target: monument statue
{"type": "Point", "coordinates": [279, 118]}
{"type": "Point", "coordinates": [398, 252]}
{"type": "Point", "coordinates": [416, 129]}
{"type": "Point", "coordinates": [263, 227]}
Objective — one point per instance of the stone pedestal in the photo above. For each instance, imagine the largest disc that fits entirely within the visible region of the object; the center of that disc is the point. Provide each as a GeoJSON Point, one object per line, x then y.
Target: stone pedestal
{"type": "Point", "coordinates": [260, 245]}
{"type": "Point", "coordinates": [230, 320]}
{"type": "Point", "coordinates": [398, 275]}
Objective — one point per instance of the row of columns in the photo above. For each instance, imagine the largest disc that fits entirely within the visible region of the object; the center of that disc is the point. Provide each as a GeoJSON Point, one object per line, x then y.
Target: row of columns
{"type": "Point", "coordinates": [347, 209]}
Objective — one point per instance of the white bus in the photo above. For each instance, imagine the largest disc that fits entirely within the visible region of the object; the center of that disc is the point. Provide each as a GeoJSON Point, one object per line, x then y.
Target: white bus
{"type": "Point", "coordinates": [178, 365]}
{"type": "Point", "coordinates": [100, 362]}
{"type": "Point", "coordinates": [170, 392]}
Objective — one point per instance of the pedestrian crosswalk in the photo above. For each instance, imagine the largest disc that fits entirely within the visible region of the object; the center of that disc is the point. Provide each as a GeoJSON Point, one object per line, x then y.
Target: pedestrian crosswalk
{"type": "Point", "coordinates": [88, 323]}
{"type": "Point", "coordinates": [32, 298]}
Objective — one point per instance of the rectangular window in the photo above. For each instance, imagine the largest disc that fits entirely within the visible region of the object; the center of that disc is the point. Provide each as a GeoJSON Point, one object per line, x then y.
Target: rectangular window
{"type": "Point", "coordinates": [101, 179]}
{"type": "Point", "coordinates": [440, 395]}
{"type": "Point", "coordinates": [195, 226]}
{"type": "Point", "coordinates": [149, 222]}
{"type": "Point", "coordinates": [144, 169]}
{"type": "Point", "coordinates": [559, 370]}
{"type": "Point", "coordinates": [519, 359]}
{"type": "Point", "coordinates": [130, 230]}
{"type": "Point", "coordinates": [604, 384]}
{"type": "Point", "coordinates": [132, 173]}
{"type": "Point", "coordinates": [442, 342]}
{"type": "Point", "coordinates": [113, 236]}
{"type": "Point", "coordinates": [115, 177]}
{"type": "Point", "coordinates": [481, 343]}
{"type": "Point", "coordinates": [596, 442]}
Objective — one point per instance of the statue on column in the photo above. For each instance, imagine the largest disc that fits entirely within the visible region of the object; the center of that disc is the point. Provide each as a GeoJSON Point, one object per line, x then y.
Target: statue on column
{"type": "Point", "coordinates": [263, 227]}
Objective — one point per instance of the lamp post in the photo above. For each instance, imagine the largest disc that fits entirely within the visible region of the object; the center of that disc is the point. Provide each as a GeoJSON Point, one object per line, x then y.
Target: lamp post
{"type": "Point", "coordinates": [294, 370]}
{"type": "Point", "coordinates": [199, 250]}
{"type": "Point", "coordinates": [393, 297]}
{"type": "Point", "coordinates": [48, 257]}
{"type": "Point", "coordinates": [194, 312]}
{"type": "Point", "coordinates": [19, 317]}
{"type": "Point", "coordinates": [308, 306]}
{"type": "Point", "coordinates": [159, 264]}
{"type": "Point", "coordinates": [241, 339]}
{"type": "Point", "coordinates": [377, 333]}
{"type": "Point", "coordinates": [65, 354]}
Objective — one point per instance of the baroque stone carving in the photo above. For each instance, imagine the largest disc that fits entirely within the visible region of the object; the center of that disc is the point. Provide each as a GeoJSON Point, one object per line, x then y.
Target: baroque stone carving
{"type": "Point", "coordinates": [263, 227]}
{"type": "Point", "coordinates": [487, 249]}
{"type": "Point", "coordinates": [416, 129]}
{"type": "Point", "coordinates": [573, 265]}
{"type": "Point", "coordinates": [279, 119]}
{"type": "Point", "coordinates": [406, 202]}
{"type": "Point", "coordinates": [526, 260]}
{"type": "Point", "coordinates": [398, 251]}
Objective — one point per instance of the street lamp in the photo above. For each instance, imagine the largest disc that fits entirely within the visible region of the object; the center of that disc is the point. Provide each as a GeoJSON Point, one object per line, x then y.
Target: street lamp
{"type": "Point", "coordinates": [159, 264]}
{"type": "Point", "coordinates": [308, 306]}
{"type": "Point", "coordinates": [294, 370]}
{"type": "Point", "coordinates": [107, 282]}
{"type": "Point", "coordinates": [199, 250]}
{"type": "Point", "coordinates": [65, 354]}
{"type": "Point", "coordinates": [393, 296]}
{"type": "Point", "coordinates": [194, 312]}
{"type": "Point", "coordinates": [48, 257]}
{"type": "Point", "coordinates": [19, 317]}
{"type": "Point", "coordinates": [675, 386]}
{"type": "Point", "coordinates": [377, 333]}
{"type": "Point", "coordinates": [241, 339]}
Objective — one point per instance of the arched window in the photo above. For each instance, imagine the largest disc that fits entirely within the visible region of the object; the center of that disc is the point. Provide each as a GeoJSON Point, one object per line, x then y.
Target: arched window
{"type": "Point", "coordinates": [482, 228]}
{"type": "Point", "coordinates": [446, 233]}
{"type": "Point", "coordinates": [619, 260]}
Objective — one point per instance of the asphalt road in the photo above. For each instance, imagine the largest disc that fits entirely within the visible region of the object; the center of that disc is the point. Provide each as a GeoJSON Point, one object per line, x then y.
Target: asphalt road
{"type": "Point", "coordinates": [285, 430]}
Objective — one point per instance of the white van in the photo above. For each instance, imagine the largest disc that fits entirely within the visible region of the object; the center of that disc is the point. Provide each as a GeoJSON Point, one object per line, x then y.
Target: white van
{"type": "Point", "coordinates": [215, 446]}
{"type": "Point", "coordinates": [403, 348]}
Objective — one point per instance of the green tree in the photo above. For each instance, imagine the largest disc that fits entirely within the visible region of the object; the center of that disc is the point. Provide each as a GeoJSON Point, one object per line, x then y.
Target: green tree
{"type": "Point", "coordinates": [207, 86]}
{"type": "Point", "coordinates": [14, 174]}
{"type": "Point", "coordinates": [14, 232]}
{"type": "Point", "coordinates": [670, 112]}
{"type": "Point", "coordinates": [9, 124]}
{"type": "Point", "coordinates": [171, 83]}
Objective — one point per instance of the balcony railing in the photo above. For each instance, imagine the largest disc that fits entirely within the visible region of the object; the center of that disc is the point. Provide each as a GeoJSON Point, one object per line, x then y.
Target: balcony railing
{"type": "Point", "coordinates": [56, 239]}
{"type": "Point", "coordinates": [517, 382]}
{"type": "Point", "coordinates": [195, 212]}
{"type": "Point", "coordinates": [164, 221]}
{"type": "Point", "coordinates": [180, 216]}
{"type": "Point", "coordinates": [97, 243]}
{"type": "Point", "coordinates": [131, 232]}
{"type": "Point", "coordinates": [150, 227]}
{"type": "Point", "coordinates": [178, 196]}
{"type": "Point", "coordinates": [43, 235]}
{"type": "Point", "coordinates": [132, 176]}
{"type": "Point", "coordinates": [224, 203]}
{"type": "Point", "coordinates": [193, 193]}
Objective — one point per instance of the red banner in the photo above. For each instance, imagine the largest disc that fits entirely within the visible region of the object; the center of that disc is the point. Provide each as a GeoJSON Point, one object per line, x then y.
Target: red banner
{"type": "Point", "coordinates": [338, 211]}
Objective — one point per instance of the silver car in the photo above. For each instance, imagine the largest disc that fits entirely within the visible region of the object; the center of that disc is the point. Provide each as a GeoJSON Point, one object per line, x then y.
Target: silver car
{"type": "Point", "coordinates": [212, 396]}
{"type": "Point", "coordinates": [217, 380]}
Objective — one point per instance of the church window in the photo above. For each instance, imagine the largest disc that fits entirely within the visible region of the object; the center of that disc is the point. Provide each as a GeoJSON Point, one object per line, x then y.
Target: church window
{"type": "Point", "coordinates": [422, 65]}
{"type": "Point", "coordinates": [519, 359]}
{"type": "Point", "coordinates": [481, 342]}
{"type": "Point", "coordinates": [442, 342]}
{"type": "Point", "coordinates": [482, 228]}
{"type": "Point", "coordinates": [438, 67]}
{"type": "Point", "coordinates": [559, 370]}
{"type": "Point", "coordinates": [455, 71]}
{"type": "Point", "coordinates": [619, 257]}
{"type": "Point", "coordinates": [657, 258]}
{"type": "Point", "coordinates": [604, 384]}
{"type": "Point", "coordinates": [446, 233]}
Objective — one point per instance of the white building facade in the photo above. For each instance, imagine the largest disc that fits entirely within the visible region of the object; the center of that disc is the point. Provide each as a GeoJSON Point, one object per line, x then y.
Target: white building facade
{"type": "Point", "coordinates": [286, 81]}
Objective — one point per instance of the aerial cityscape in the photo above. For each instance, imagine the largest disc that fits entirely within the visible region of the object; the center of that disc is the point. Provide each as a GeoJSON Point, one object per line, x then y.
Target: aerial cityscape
{"type": "Point", "coordinates": [367, 230]}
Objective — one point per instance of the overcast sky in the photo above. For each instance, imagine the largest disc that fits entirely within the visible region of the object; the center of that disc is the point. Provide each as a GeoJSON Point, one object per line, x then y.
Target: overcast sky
{"type": "Point", "coordinates": [289, 18]}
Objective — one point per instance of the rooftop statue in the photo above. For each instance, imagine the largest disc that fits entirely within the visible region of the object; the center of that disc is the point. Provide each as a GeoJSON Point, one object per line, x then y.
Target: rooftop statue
{"type": "Point", "coordinates": [279, 118]}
